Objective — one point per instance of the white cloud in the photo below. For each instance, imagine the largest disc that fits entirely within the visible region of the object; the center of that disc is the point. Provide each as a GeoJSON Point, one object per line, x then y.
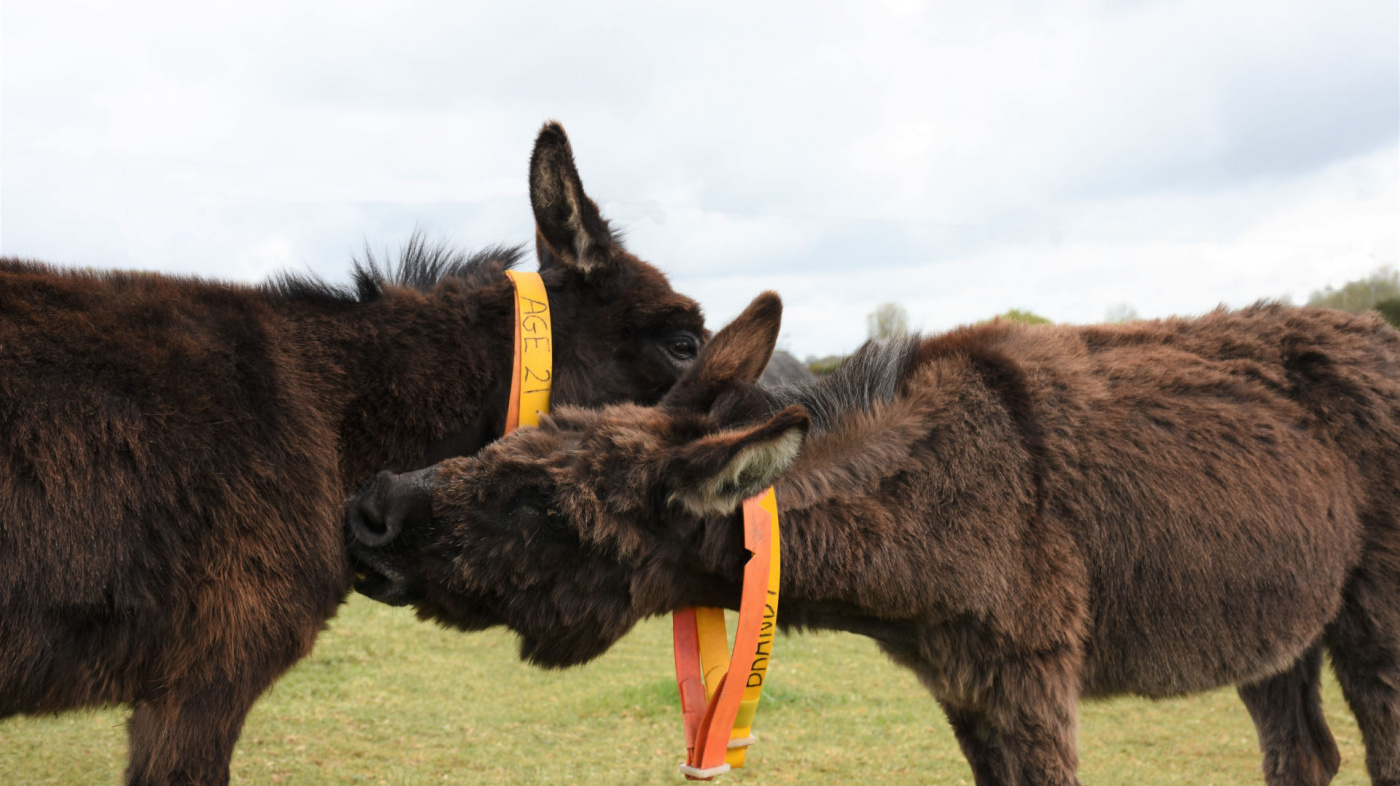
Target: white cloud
{"type": "Point", "coordinates": [962, 158]}
{"type": "Point", "coordinates": [1260, 240]}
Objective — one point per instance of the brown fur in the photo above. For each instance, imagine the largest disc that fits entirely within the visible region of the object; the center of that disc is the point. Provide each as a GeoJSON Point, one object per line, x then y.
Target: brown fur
{"type": "Point", "coordinates": [1023, 516]}
{"type": "Point", "coordinates": [174, 454]}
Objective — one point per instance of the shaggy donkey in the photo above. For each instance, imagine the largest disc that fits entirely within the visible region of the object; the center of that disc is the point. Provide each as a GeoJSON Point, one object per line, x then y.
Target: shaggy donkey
{"type": "Point", "coordinates": [175, 453]}
{"type": "Point", "coordinates": [1022, 515]}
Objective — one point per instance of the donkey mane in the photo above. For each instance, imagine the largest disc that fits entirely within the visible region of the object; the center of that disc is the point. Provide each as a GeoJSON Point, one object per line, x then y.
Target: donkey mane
{"type": "Point", "coordinates": [878, 373]}
{"type": "Point", "coordinates": [421, 266]}
{"type": "Point", "coordinates": [871, 375]}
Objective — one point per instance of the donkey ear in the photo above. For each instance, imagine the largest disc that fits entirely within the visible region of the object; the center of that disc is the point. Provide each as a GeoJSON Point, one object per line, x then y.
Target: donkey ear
{"type": "Point", "coordinates": [736, 355]}
{"type": "Point", "coordinates": [712, 475]}
{"type": "Point", "coordinates": [568, 228]}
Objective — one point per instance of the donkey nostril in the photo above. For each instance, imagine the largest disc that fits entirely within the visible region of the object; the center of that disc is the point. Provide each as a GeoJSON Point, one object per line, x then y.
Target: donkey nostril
{"type": "Point", "coordinates": [370, 525]}
{"type": "Point", "coordinates": [372, 517]}
{"type": "Point", "coordinates": [385, 506]}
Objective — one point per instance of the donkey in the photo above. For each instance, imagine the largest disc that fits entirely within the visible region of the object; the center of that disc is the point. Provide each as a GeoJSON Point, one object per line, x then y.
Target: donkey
{"type": "Point", "coordinates": [1023, 516]}
{"type": "Point", "coordinates": [175, 453]}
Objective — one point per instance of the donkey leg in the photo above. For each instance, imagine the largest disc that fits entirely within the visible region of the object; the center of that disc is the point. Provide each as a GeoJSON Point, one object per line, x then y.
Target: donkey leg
{"type": "Point", "coordinates": [992, 764]}
{"type": "Point", "coordinates": [1287, 710]}
{"type": "Point", "coordinates": [186, 736]}
{"type": "Point", "coordinates": [184, 731]}
{"type": "Point", "coordinates": [1023, 733]}
{"type": "Point", "coordinates": [1043, 734]}
{"type": "Point", "coordinates": [1364, 642]}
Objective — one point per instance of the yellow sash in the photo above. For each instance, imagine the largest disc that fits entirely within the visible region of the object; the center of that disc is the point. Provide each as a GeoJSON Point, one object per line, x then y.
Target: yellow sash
{"type": "Point", "coordinates": [533, 371]}
{"type": "Point", "coordinates": [718, 720]}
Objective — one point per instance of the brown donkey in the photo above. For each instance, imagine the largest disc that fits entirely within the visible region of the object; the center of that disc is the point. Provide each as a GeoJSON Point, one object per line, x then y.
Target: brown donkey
{"type": "Point", "coordinates": [175, 453]}
{"type": "Point", "coordinates": [1022, 515]}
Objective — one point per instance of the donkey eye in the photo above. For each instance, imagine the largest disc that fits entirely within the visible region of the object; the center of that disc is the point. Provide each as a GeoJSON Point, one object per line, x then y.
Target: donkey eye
{"type": "Point", "coordinates": [556, 524]}
{"type": "Point", "coordinates": [540, 518]}
{"type": "Point", "coordinates": [682, 347]}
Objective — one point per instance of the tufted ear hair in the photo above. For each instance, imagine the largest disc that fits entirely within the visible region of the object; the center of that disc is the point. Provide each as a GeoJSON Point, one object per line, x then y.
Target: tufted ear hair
{"type": "Point", "coordinates": [714, 474]}
{"type": "Point", "coordinates": [569, 230]}
{"type": "Point", "coordinates": [736, 356]}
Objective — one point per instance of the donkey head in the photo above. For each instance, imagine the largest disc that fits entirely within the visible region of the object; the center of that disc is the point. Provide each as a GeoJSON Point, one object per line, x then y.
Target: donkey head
{"type": "Point", "coordinates": [625, 334]}
{"type": "Point", "coordinates": [621, 333]}
{"type": "Point", "coordinates": [571, 532]}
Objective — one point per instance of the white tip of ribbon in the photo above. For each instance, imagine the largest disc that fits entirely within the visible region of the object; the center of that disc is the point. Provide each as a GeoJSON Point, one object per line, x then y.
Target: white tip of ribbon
{"type": "Point", "coordinates": [705, 774]}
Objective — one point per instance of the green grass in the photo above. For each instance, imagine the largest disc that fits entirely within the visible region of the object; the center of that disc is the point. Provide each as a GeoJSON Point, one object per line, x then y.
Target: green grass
{"type": "Point", "coordinates": [389, 700]}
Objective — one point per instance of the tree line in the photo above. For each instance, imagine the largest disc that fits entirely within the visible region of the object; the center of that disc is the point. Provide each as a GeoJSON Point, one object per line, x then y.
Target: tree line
{"type": "Point", "coordinates": [1378, 291]}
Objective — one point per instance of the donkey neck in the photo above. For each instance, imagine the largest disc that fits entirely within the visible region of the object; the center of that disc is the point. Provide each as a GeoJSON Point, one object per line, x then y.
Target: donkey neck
{"type": "Point", "coordinates": [413, 377]}
{"type": "Point", "coordinates": [881, 504]}
{"type": "Point", "coordinates": [860, 426]}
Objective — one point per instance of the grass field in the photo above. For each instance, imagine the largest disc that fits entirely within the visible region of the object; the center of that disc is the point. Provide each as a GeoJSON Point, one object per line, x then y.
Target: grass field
{"type": "Point", "coordinates": [389, 700]}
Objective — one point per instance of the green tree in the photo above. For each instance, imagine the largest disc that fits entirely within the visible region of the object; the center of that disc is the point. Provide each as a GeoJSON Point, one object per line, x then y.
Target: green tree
{"type": "Point", "coordinates": [821, 366]}
{"type": "Point", "coordinates": [1390, 310]}
{"type": "Point", "coordinates": [1362, 294]}
{"type": "Point", "coordinates": [1023, 317]}
{"type": "Point", "coordinates": [887, 320]}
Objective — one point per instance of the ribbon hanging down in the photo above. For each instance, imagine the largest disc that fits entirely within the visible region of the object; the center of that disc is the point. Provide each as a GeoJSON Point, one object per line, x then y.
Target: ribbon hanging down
{"type": "Point", "coordinates": [718, 712]}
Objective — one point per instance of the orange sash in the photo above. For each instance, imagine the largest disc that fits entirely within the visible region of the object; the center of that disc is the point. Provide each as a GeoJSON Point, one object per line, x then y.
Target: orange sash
{"type": "Point", "coordinates": [717, 712]}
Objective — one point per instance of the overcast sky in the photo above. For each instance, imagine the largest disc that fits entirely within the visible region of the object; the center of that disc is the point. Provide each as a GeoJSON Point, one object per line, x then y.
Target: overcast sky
{"type": "Point", "coordinates": [961, 158]}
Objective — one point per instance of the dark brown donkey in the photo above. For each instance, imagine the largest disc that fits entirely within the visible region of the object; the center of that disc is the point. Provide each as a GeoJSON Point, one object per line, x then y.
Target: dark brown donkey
{"type": "Point", "coordinates": [1021, 515]}
{"type": "Point", "coordinates": [175, 453]}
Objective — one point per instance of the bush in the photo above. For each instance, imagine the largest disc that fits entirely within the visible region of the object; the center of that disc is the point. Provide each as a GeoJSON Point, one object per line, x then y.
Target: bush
{"type": "Point", "coordinates": [1022, 317]}
{"type": "Point", "coordinates": [824, 365]}
{"type": "Point", "coordinates": [1362, 294]}
{"type": "Point", "coordinates": [1389, 309]}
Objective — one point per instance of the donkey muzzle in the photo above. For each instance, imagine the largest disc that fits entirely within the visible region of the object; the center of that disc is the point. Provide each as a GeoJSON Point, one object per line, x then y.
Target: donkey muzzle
{"type": "Point", "coordinates": [381, 522]}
